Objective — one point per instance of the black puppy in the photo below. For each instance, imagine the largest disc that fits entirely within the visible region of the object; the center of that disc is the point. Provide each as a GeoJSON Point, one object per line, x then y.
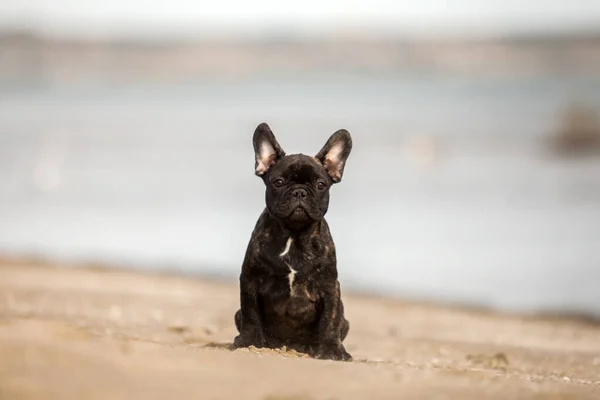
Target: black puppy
{"type": "Point", "coordinates": [289, 291]}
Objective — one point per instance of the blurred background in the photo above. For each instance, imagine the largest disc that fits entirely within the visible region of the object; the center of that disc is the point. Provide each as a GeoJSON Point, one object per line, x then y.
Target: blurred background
{"type": "Point", "coordinates": [126, 126]}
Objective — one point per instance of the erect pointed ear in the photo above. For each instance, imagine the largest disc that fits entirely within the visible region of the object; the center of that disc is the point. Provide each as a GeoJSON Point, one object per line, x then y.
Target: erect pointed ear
{"type": "Point", "coordinates": [266, 149]}
{"type": "Point", "coordinates": [334, 154]}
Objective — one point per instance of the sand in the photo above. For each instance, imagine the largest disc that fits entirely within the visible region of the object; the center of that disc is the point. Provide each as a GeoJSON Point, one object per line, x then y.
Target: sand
{"type": "Point", "coordinates": [88, 333]}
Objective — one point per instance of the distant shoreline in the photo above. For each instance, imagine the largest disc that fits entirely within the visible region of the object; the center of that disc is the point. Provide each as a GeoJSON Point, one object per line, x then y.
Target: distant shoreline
{"type": "Point", "coordinates": [28, 57]}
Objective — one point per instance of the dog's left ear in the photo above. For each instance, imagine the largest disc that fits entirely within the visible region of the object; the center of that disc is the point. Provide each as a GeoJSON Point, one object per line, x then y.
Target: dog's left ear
{"type": "Point", "coordinates": [334, 154]}
{"type": "Point", "coordinates": [266, 149]}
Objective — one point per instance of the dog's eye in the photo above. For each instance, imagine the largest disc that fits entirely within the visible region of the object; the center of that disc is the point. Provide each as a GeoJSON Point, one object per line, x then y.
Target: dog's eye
{"type": "Point", "coordinates": [278, 183]}
{"type": "Point", "coordinates": [321, 186]}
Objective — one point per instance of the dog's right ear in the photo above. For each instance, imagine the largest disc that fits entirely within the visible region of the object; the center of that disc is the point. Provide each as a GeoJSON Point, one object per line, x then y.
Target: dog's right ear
{"type": "Point", "coordinates": [266, 149]}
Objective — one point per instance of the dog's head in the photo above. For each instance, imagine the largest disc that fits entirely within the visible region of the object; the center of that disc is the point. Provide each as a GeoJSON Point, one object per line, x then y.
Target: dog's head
{"type": "Point", "coordinates": [297, 186]}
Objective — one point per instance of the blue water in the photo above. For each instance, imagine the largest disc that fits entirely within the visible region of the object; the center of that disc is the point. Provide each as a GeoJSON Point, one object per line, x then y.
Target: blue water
{"type": "Point", "coordinates": [162, 177]}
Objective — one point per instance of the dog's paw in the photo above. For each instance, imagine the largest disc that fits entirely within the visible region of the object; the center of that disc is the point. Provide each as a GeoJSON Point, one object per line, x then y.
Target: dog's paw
{"type": "Point", "coordinates": [249, 338]}
{"type": "Point", "coordinates": [335, 352]}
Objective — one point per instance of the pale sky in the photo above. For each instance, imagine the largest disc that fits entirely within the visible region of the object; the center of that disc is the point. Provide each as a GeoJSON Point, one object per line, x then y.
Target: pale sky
{"type": "Point", "coordinates": [189, 17]}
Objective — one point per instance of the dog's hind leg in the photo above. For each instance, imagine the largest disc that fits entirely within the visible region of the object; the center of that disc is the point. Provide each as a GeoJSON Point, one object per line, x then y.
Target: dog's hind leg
{"type": "Point", "coordinates": [344, 330]}
{"type": "Point", "coordinates": [238, 320]}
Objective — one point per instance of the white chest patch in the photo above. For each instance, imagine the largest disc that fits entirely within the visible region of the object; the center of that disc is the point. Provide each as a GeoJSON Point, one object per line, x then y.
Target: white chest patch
{"type": "Point", "coordinates": [288, 244]}
{"type": "Point", "coordinates": [291, 277]}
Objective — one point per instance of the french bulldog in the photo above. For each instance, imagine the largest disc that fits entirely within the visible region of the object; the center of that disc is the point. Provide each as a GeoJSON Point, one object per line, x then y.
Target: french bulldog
{"type": "Point", "coordinates": [289, 290]}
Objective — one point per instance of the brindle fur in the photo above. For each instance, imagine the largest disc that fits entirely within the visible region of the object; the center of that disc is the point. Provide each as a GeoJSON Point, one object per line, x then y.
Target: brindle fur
{"type": "Point", "coordinates": [308, 316]}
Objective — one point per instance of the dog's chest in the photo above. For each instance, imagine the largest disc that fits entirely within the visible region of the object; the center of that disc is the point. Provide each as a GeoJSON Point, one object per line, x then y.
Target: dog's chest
{"type": "Point", "coordinates": [297, 270]}
{"type": "Point", "coordinates": [285, 258]}
{"type": "Point", "coordinates": [290, 289]}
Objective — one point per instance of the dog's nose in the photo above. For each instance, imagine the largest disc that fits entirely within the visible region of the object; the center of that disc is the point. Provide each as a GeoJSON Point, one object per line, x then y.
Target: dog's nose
{"type": "Point", "coordinates": [299, 193]}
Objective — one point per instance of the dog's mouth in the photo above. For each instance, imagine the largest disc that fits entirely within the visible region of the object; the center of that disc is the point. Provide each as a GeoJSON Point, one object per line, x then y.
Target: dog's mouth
{"type": "Point", "coordinates": [298, 218]}
{"type": "Point", "coordinates": [299, 212]}
{"type": "Point", "coordinates": [296, 214]}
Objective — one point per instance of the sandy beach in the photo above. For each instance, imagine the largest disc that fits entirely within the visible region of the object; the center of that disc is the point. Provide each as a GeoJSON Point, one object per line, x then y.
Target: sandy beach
{"type": "Point", "coordinates": [73, 333]}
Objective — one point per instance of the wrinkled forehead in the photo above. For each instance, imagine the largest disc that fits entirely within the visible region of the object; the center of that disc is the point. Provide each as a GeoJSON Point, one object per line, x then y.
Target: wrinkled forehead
{"type": "Point", "coordinates": [301, 168]}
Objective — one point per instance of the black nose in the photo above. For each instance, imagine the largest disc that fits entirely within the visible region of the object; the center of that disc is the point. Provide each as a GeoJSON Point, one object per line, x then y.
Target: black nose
{"type": "Point", "coordinates": [299, 193]}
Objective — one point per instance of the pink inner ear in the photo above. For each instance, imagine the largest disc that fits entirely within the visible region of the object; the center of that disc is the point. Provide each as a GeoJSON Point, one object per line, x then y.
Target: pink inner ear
{"type": "Point", "coordinates": [333, 168]}
{"type": "Point", "coordinates": [262, 166]}
{"type": "Point", "coordinates": [265, 158]}
{"type": "Point", "coordinates": [333, 162]}
{"type": "Point", "coordinates": [335, 153]}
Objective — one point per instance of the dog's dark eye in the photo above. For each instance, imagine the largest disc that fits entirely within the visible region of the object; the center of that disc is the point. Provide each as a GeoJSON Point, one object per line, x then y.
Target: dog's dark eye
{"type": "Point", "coordinates": [321, 186]}
{"type": "Point", "coordinates": [278, 183]}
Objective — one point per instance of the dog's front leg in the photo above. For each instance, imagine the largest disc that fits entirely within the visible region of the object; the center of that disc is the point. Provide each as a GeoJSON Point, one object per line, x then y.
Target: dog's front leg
{"type": "Point", "coordinates": [331, 320]}
{"type": "Point", "coordinates": [251, 329]}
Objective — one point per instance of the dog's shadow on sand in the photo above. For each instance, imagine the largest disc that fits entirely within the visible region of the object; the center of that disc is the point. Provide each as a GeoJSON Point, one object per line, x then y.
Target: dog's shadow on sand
{"type": "Point", "coordinates": [220, 346]}
{"type": "Point", "coordinates": [283, 351]}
